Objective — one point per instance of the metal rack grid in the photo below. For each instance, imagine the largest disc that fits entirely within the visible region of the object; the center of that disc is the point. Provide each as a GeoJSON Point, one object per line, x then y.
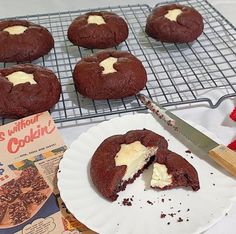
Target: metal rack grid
{"type": "Point", "coordinates": [202, 71]}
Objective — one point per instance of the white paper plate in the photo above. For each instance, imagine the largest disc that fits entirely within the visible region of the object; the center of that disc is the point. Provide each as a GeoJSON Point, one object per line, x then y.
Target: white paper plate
{"type": "Point", "coordinates": [198, 210]}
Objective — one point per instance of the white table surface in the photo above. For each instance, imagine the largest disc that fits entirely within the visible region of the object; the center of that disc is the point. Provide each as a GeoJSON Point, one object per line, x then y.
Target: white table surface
{"type": "Point", "coordinates": [215, 120]}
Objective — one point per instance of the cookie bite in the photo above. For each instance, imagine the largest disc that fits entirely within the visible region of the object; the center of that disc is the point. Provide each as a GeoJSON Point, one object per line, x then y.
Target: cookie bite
{"type": "Point", "coordinates": [120, 159]}
{"type": "Point", "coordinates": [171, 171]}
{"type": "Point", "coordinates": [98, 30]}
{"type": "Point", "coordinates": [109, 75]}
{"type": "Point", "coordinates": [174, 23]}
{"type": "Point", "coordinates": [22, 41]}
{"type": "Point", "coordinates": [27, 89]}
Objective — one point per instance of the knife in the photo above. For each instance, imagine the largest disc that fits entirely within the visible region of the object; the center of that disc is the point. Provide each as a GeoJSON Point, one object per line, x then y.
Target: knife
{"type": "Point", "coordinates": [221, 154]}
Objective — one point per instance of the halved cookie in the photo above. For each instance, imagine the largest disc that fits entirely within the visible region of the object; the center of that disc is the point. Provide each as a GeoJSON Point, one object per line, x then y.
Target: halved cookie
{"type": "Point", "coordinates": [171, 171]}
{"type": "Point", "coordinates": [120, 159]}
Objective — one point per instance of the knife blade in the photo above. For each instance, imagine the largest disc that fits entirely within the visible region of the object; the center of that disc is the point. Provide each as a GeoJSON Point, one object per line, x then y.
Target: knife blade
{"type": "Point", "coordinates": [221, 154]}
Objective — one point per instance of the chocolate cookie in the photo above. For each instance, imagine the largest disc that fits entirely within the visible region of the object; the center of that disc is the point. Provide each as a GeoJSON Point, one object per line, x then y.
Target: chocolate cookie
{"type": "Point", "coordinates": [120, 159]}
{"type": "Point", "coordinates": [27, 89]}
{"type": "Point", "coordinates": [171, 171]}
{"type": "Point", "coordinates": [174, 23]}
{"type": "Point", "coordinates": [98, 30]}
{"type": "Point", "coordinates": [22, 40]}
{"type": "Point", "coordinates": [109, 75]}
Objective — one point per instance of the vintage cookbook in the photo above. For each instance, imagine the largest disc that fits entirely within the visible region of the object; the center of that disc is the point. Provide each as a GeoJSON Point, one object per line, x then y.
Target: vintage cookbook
{"type": "Point", "coordinates": [30, 203]}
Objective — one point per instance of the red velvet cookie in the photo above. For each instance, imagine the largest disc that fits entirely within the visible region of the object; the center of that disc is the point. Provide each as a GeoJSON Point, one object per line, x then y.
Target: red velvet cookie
{"type": "Point", "coordinates": [171, 171]}
{"type": "Point", "coordinates": [27, 89]}
{"type": "Point", "coordinates": [22, 40]}
{"type": "Point", "coordinates": [120, 159]}
{"type": "Point", "coordinates": [98, 30]}
{"type": "Point", "coordinates": [109, 75]}
{"type": "Point", "coordinates": [174, 23]}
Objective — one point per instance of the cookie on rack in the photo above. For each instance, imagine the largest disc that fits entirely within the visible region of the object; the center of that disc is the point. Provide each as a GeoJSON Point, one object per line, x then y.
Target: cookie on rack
{"type": "Point", "coordinates": [27, 89]}
{"type": "Point", "coordinates": [109, 75]}
{"type": "Point", "coordinates": [174, 23]}
{"type": "Point", "coordinates": [120, 159]}
{"type": "Point", "coordinates": [98, 30]}
{"type": "Point", "coordinates": [22, 41]}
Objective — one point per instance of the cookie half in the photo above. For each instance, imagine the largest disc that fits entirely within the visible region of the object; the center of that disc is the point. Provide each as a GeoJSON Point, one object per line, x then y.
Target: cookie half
{"type": "Point", "coordinates": [98, 30]}
{"type": "Point", "coordinates": [174, 23]}
{"type": "Point", "coordinates": [27, 89]}
{"type": "Point", "coordinates": [22, 41]}
{"type": "Point", "coordinates": [109, 75]}
{"type": "Point", "coordinates": [171, 171]}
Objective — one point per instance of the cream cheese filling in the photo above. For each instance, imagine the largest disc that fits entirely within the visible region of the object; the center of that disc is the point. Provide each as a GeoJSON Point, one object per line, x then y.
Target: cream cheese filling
{"type": "Point", "coordinates": [15, 30]}
{"type": "Point", "coordinates": [95, 19]}
{"type": "Point", "coordinates": [172, 14]}
{"type": "Point", "coordinates": [160, 177]}
{"type": "Point", "coordinates": [134, 156]}
{"type": "Point", "coordinates": [107, 65]}
{"type": "Point", "coordinates": [20, 77]}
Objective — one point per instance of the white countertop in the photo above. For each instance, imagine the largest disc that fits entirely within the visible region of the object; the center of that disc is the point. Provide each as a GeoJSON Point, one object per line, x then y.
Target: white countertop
{"type": "Point", "coordinates": [215, 120]}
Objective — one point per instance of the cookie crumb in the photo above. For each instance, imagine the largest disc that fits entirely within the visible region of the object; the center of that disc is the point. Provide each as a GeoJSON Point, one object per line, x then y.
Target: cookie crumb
{"type": "Point", "coordinates": [168, 223]}
{"type": "Point", "coordinates": [188, 210]}
{"type": "Point", "coordinates": [149, 202]}
{"type": "Point", "coordinates": [180, 220]}
{"type": "Point", "coordinates": [172, 214]}
{"type": "Point", "coordinates": [126, 202]}
{"type": "Point", "coordinates": [188, 151]}
{"type": "Point", "coordinates": [162, 216]}
{"type": "Point", "coordinates": [162, 200]}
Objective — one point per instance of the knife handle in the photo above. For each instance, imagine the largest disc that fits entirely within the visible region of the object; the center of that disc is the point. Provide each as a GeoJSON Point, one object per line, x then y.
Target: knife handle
{"type": "Point", "coordinates": [224, 157]}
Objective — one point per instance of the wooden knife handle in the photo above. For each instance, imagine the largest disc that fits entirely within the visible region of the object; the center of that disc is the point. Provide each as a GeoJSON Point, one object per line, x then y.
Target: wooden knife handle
{"type": "Point", "coordinates": [224, 157]}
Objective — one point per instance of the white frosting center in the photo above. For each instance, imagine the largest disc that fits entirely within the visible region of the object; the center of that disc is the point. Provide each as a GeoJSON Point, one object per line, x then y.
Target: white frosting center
{"type": "Point", "coordinates": [160, 177]}
{"type": "Point", "coordinates": [134, 156]}
{"type": "Point", "coordinates": [20, 77]}
{"type": "Point", "coordinates": [15, 30]}
{"type": "Point", "coordinates": [107, 65]}
{"type": "Point", "coordinates": [95, 19]}
{"type": "Point", "coordinates": [172, 14]}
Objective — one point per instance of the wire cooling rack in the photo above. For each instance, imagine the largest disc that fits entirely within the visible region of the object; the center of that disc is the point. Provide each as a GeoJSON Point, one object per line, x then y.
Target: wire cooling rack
{"type": "Point", "coordinates": [202, 71]}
